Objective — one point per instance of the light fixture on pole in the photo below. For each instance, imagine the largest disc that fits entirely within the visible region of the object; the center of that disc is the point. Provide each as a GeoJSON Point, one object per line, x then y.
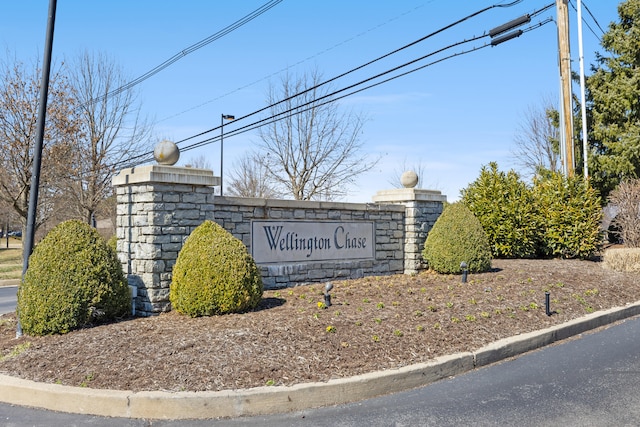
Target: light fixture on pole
{"type": "Point", "coordinates": [223, 117]}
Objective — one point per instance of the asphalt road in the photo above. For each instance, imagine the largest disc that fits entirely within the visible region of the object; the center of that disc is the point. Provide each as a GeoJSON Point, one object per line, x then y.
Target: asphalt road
{"type": "Point", "coordinates": [8, 299]}
{"type": "Point", "coordinates": [591, 380]}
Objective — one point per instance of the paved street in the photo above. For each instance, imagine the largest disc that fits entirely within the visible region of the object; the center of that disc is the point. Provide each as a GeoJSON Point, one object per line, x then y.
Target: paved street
{"type": "Point", "coordinates": [8, 296]}
{"type": "Point", "coordinates": [590, 380]}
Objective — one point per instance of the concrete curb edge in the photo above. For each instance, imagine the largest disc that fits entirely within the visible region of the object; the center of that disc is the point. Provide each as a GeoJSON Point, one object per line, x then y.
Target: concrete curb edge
{"type": "Point", "coordinates": [270, 400]}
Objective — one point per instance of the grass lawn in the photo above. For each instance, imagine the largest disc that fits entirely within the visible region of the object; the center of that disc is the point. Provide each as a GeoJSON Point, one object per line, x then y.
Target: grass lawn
{"type": "Point", "coordinates": [10, 260]}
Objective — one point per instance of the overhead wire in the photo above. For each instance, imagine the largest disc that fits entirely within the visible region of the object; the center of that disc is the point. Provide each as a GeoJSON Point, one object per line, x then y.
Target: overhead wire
{"type": "Point", "coordinates": [332, 98]}
{"type": "Point", "coordinates": [186, 51]}
{"type": "Point", "coordinates": [593, 17]}
{"type": "Point", "coordinates": [584, 21]}
{"type": "Point", "coordinates": [386, 55]}
{"type": "Point", "coordinates": [148, 156]}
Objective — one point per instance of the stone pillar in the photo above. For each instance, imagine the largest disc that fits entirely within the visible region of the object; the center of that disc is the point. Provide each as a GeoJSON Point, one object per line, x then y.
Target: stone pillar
{"type": "Point", "coordinates": [422, 209]}
{"type": "Point", "coordinates": [158, 206]}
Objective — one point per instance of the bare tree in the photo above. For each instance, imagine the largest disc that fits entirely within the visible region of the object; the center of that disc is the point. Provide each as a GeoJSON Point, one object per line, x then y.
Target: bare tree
{"type": "Point", "coordinates": [314, 148]}
{"type": "Point", "coordinates": [250, 178]}
{"type": "Point", "coordinates": [418, 167]}
{"type": "Point", "coordinates": [537, 143]}
{"type": "Point", "coordinates": [112, 129]}
{"type": "Point", "coordinates": [199, 162]}
{"type": "Point", "coordinates": [19, 94]}
{"type": "Point", "coordinates": [626, 199]}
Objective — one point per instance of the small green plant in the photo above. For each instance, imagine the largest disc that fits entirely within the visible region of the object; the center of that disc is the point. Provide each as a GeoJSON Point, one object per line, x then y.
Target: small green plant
{"type": "Point", "coordinates": [591, 292]}
{"type": "Point", "coordinates": [270, 383]}
{"type": "Point", "coordinates": [419, 328]}
{"type": "Point", "coordinates": [449, 304]}
{"type": "Point", "coordinates": [418, 313]}
{"type": "Point", "coordinates": [331, 329]}
{"type": "Point", "coordinates": [398, 333]}
{"type": "Point", "coordinates": [16, 350]}
{"type": "Point", "coordinates": [375, 338]}
{"type": "Point", "coordinates": [321, 305]}
{"type": "Point", "coordinates": [584, 303]}
{"type": "Point", "coordinates": [366, 300]}
{"type": "Point", "coordinates": [455, 320]}
{"type": "Point", "coordinates": [358, 322]}
{"type": "Point", "coordinates": [337, 313]}
{"type": "Point", "coordinates": [473, 301]}
{"type": "Point", "coordinates": [437, 325]}
{"type": "Point", "coordinates": [377, 320]}
{"type": "Point", "coordinates": [533, 306]}
{"type": "Point", "coordinates": [485, 315]}
{"type": "Point", "coordinates": [432, 308]}
{"type": "Point", "coordinates": [87, 379]}
{"type": "Point", "coordinates": [395, 303]}
{"type": "Point", "coordinates": [380, 306]}
{"type": "Point", "coordinates": [470, 318]}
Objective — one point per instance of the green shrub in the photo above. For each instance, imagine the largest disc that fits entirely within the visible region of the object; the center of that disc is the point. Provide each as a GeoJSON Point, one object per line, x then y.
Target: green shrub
{"type": "Point", "coordinates": [113, 243]}
{"type": "Point", "coordinates": [570, 214]}
{"type": "Point", "coordinates": [457, 236]}
{"type": "Point", "coordinates": [73, 279]}
{"type": "Point", "coordinates": [214, 274]}
{"type": "Point", "coordinates": [504, 206]}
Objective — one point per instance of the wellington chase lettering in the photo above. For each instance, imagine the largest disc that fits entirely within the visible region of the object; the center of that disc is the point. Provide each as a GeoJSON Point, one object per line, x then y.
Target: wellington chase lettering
{"type": "Point", "coordinates": [294, 241]}
{"type": "Point", "coordinates": [291, 241]}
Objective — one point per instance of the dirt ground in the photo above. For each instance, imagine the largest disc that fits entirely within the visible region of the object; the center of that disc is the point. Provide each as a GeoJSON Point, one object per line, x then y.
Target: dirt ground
{"type": "Point", "coordinates": [374, 323]}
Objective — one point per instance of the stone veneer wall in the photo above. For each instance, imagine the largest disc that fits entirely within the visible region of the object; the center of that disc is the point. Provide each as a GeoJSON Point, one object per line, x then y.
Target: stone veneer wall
{"type": "Point", "coordinates": [159, 206]}
{"type": "Point", "coordinates": [422, 209]}
{"type": "Point", "coordinates": [235, 215]}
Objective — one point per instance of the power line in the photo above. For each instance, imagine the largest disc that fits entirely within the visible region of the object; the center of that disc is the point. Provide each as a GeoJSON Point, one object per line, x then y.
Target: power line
{"type": "Point", "coordinates": [585, 21]}
{"type": "Point", "coordinates": [331, 97]}
{"type": "Point", "coordinates": [148, 156]}
{"type": "Point", "coordinates": [239, 23]}
{"type": "Point", "coordinates": [593, 17]}
{"type": "Point", "coordinates": [413, 43]}
{"type": "Point", "coordinates": [275, 73]}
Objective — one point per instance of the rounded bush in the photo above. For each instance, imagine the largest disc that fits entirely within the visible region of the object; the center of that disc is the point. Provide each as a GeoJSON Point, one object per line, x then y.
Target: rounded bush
{"type": "Point", "coordinates": [456, 237]}
{"type": "Point", "coordinates": [214, 274]}
{"type": "Point", "coordinates": [74, 278]}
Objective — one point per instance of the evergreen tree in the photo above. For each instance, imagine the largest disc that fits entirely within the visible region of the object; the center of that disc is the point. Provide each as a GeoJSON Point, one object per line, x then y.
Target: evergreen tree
{"type": "Point", "coordinates": [614, 103]}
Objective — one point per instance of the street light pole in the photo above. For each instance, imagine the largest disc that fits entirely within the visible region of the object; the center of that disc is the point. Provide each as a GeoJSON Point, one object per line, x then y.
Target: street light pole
{"type": "Point", "coordinates": [223, 117]}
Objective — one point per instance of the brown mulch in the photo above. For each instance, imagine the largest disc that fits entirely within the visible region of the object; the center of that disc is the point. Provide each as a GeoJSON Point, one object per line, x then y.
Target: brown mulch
{"type": "Point", "coordinates": [374, 323]}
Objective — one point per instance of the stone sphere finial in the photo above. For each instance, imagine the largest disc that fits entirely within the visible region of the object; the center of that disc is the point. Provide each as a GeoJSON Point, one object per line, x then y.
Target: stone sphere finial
{"type": "Point", "coordinates": [166, 153]}
{"type": "Point", "coordinates": [409, 179]}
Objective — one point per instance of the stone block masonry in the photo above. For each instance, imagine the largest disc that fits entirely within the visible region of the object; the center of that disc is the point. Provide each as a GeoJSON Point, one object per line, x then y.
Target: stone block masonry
{"type": "Point", "coordinates": [159, 206]}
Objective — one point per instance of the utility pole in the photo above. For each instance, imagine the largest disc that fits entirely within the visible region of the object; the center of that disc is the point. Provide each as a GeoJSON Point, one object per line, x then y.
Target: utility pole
{"type": "Point", "coordinates": [564, 59]}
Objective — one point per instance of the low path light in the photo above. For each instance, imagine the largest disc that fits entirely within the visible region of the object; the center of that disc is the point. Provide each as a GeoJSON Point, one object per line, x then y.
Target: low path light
{"type": "Point", "coordinates": [327, 297]}
{"type": "Point", "coordinates": [465, 271]}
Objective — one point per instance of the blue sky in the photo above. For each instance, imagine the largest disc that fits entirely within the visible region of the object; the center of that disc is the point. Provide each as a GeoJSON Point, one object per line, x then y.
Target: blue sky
{"type": "Point", "coordinates": [448, 119]}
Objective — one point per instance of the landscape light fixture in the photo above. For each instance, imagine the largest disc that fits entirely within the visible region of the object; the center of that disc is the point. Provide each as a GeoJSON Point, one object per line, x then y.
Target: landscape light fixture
{"type": "Point", "coordinates": [465, 270]}
{"type": "Point", "coordinates": [327, 297]}
{"type": "Point", "coordinates": [546, 303]}
{"type": "Point", "coordinates": [223, 117]}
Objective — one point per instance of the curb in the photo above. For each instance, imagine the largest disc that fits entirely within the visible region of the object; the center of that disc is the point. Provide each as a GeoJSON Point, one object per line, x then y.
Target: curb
{"type": "Point", "coordinates": [272, 400]}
